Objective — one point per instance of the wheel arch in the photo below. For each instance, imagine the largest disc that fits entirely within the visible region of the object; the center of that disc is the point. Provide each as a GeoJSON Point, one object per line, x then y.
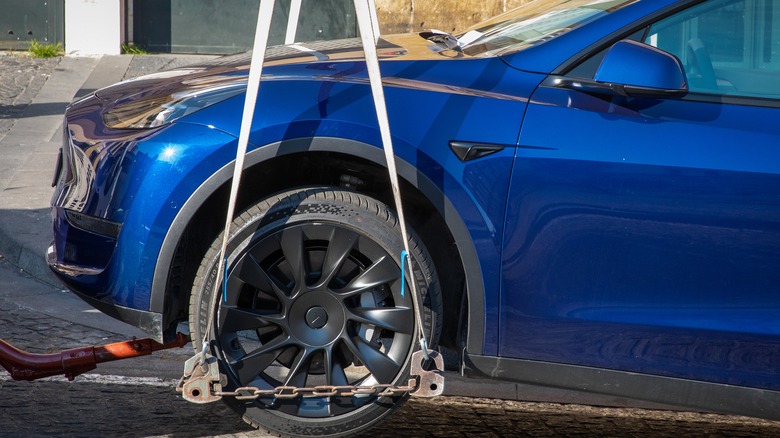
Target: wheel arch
{"type": "Point", "coordinates": [214, 190]}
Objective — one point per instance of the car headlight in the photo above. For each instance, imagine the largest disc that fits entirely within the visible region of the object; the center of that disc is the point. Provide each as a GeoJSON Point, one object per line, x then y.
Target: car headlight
{"type": "Point", "coordinates": [154, 111]}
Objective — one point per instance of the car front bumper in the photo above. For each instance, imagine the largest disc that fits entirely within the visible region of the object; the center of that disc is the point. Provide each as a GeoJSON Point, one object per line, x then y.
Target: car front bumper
{"type": "Point", "coordinates": [117, 193]}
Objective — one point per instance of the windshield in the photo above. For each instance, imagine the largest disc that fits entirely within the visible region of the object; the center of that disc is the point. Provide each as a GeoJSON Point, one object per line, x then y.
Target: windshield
{"type": "Point", "coordinates": [533, 23]}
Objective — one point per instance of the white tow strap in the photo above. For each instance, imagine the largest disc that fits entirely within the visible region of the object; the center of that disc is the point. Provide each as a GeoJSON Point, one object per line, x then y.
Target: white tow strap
{"type": "Point", "coordinates": [369, 31]}
{"type": "Point", "coordinates": [201, 382]}
{"type": "Point", "coordinates": [252, 89]}
{"type": "Point", "coordinates": [292, 21]}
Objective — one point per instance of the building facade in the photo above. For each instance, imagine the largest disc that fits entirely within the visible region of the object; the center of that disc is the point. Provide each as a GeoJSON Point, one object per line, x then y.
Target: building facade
{"type": "Point", "coordinates": [215, 26]}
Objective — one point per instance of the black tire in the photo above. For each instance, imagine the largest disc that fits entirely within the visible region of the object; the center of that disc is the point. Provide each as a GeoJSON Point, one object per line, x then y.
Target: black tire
{"type": "Point", "coordinates": [314, 297]}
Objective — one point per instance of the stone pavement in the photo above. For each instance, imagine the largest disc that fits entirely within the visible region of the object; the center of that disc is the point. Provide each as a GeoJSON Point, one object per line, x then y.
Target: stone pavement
{"type": "Point", "coordinates": [81, 409]}
{"type": "Point", "coordinates": [42, 318]}
{"type": "Point", "coordinates": [106, 403]}
{"type": "Point", "coordinates": [20, 80]}
{"type": "Point", "coordinates": [33, 97]}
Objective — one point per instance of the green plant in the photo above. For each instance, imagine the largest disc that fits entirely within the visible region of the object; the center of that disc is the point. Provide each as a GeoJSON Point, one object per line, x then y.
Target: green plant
{"type": "Point", "coordinates": [45, 50]}
{"type": "Point", "coordinates": [132, 49]}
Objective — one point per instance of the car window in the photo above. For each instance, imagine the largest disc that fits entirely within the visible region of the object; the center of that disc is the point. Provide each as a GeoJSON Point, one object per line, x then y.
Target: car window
{"type": "Point", "coordinates": [728, 47]}
{"type": "Point", "coordinates": [533, 23]}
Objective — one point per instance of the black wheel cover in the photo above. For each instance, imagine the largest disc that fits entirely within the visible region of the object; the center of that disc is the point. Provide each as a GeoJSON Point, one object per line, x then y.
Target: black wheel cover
{"type": "Point", "coordinates": [314, 303]}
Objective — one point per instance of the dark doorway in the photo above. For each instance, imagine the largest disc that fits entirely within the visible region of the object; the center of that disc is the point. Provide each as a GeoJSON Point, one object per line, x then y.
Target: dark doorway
{"type": "Point", "coordinates": [24, 21]}
{"type": "Point", "coordinates": [228, 26]}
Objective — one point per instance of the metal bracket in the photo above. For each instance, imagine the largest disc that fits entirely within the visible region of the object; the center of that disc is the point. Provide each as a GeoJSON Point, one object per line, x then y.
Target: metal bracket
{"type": "Point", "coordinates": [201, 381]}
{"type": "Point", "coordinates": [431, 380]}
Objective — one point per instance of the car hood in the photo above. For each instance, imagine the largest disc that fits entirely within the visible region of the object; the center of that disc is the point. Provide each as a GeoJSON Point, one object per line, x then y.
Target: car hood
{"type": "Point", "coordinates": [407, 47]}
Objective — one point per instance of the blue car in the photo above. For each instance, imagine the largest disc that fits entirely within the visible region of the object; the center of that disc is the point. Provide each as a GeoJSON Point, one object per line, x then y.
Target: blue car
{"type": "Point", "coordinates": [592, 190]}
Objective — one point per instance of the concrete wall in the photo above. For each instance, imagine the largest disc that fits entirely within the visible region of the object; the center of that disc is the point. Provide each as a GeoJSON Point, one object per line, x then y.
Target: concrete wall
{"type": "Point", "coordinates": [93, 26]}
{"type": "Point", "coordinates": [398, 16]}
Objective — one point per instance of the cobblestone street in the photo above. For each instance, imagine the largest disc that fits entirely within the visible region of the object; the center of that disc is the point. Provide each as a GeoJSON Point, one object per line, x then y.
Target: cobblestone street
{"type": "Point", "coordinates": [130, 409]}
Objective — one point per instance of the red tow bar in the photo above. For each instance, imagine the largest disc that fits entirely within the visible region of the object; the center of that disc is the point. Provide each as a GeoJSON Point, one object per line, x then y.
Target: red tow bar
{"type": "Point", "coordinates": [70, 363]}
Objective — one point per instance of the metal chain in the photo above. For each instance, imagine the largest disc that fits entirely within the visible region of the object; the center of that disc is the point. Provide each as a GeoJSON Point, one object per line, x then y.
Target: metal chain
{"type": "Point", "coordinates": [202, 383]}
{"type": "Point", "coordinates": [293, 392]}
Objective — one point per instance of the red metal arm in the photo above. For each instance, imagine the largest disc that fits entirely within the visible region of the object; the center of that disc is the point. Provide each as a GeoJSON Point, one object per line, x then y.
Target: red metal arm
{"type": "Point", "coordinates": [30, 366]}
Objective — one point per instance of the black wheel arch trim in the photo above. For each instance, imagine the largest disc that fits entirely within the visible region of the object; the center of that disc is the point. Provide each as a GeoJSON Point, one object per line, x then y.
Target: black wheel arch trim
{"type": "Point", "coordinates": [692, 394]}
{"type": "Point", "coordinates": [473, 275]}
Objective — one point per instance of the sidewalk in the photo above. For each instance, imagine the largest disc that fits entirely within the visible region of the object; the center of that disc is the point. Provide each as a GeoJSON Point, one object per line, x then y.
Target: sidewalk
{"type": "Point", "coordinates": [33, 96]}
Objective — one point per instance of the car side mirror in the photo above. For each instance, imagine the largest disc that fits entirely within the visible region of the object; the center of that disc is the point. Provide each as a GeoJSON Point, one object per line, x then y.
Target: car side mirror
{"type": "Point", "coordinates": [634, 69]}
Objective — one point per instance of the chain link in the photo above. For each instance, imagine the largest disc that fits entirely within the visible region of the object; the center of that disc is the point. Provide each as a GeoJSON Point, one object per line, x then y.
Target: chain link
{"type": "Point", "coordinates": [202, 383]}
{"type": "Point", "coordinates": [293, 392]}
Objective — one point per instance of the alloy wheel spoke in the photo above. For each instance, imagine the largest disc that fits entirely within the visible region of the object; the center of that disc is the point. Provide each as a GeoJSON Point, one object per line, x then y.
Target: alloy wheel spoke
{"type": "Point", "coordinates": [383, 271]}
{"type": "Point", "coordinates": [341, 243]}
{"type": "Point", "coordinates": [335, 371]}
{"type": "Point", "coordinates": [254, 363]}
{"type": "Point", "coordinates": [397, 319]}
{"type": "Point", "coordinates": [299, 370]}
{"type": "Point", "coordinates": [383, 367]}
{"type": "Point", "coordinates": [291, 241]}
{"type": "Point", "coordinates": [235, 319]}
{"type": "Point", "coordinates": [254, 275]}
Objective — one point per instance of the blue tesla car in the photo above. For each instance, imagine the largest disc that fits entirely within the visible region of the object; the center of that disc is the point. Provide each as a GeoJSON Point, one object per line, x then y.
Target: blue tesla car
{"type": "Point", "coordinates": [592, 189]}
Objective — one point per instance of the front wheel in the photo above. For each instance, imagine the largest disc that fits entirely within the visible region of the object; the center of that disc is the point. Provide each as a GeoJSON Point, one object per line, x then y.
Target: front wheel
{"type": "Point", "coordinates": [314, 297]}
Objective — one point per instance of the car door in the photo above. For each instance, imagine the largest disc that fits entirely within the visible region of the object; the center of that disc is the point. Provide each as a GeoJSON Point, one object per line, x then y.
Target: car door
{"type": "Point", "coordinates": [643, 234]}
